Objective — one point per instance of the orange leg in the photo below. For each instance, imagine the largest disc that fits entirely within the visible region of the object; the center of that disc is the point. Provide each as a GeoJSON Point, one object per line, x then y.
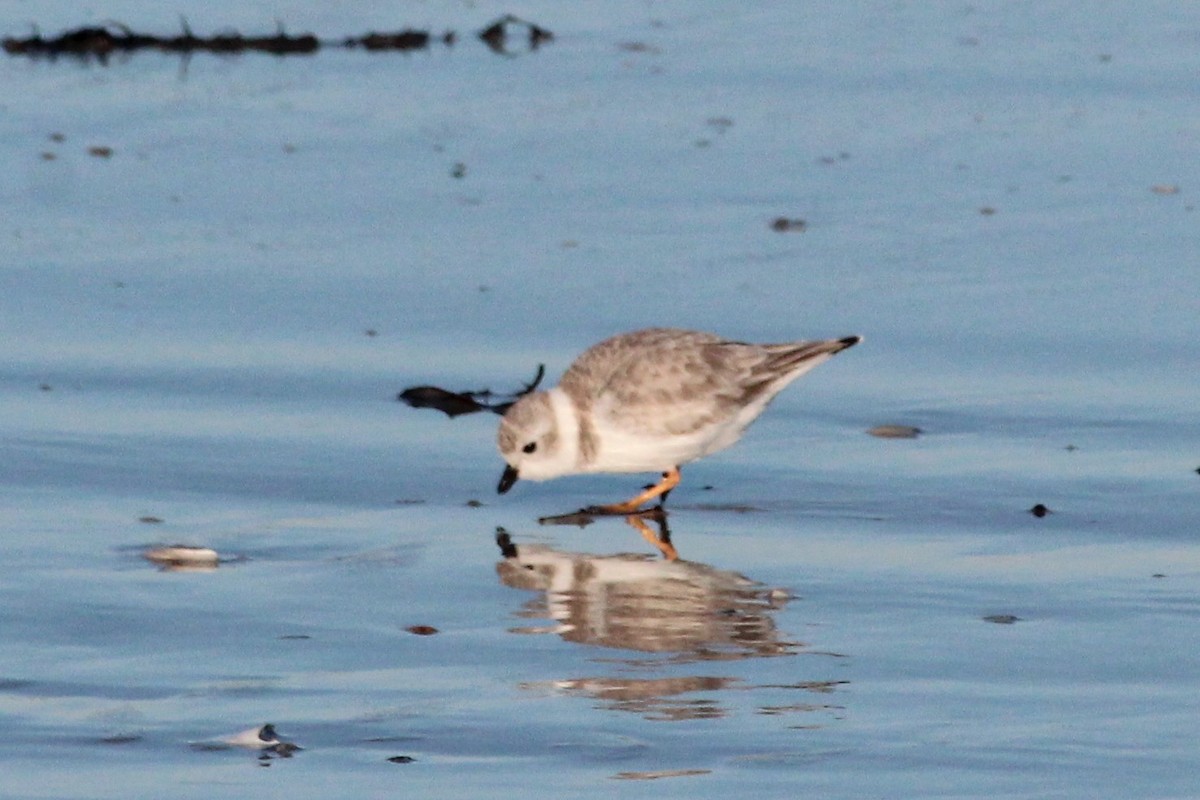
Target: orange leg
{"type": "Point", "coordinates": [662, 540]}
{"type": "Point", "coordinates": [670, 480]}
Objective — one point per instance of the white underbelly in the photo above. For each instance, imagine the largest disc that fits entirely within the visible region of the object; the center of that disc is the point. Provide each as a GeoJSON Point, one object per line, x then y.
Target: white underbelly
{"type": "Point", "coordinates": [622, 452]}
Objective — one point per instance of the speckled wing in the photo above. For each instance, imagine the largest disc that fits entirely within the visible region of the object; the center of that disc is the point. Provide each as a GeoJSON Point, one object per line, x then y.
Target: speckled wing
{"type": "Point", "coordinates": [664, 382]}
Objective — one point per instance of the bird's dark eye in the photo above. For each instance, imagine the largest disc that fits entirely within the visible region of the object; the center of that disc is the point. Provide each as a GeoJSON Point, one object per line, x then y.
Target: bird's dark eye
{"type": "Point", "coordinates": [529, 448]}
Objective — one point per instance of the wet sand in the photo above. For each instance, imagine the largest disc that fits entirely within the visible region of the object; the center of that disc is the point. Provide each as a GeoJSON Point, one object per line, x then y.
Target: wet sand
{"type": "Point", "coordinates": [219, 274]}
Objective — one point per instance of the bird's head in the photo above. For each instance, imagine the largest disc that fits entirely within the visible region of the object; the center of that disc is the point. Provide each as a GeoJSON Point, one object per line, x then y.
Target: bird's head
{"type": "Point", "coordinates": [529, 440]}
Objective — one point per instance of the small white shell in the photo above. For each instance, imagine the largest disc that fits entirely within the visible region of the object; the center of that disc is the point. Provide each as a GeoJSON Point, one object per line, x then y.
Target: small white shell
{"type": "Point", "coordinates": [183, 557]}
{"type": "Point", "coordinates": [259, 738]}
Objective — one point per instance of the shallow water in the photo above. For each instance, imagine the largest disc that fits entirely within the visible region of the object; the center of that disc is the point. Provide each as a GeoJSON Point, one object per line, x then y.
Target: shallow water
{"type": "Point", "coordinates": [184, 337]}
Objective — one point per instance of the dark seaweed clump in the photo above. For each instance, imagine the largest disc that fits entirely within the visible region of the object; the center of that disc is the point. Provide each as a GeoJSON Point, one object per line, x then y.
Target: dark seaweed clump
{"type": "Point", "coordinates": [454, 404]}
{"type": "Point", "coordinates": [102, 41]}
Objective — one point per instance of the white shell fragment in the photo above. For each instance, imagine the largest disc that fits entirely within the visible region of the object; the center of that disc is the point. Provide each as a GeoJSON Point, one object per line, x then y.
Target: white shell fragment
{"type": "Point", "coordinates": [183, 557]}
{"type": "Point", "coordinates": [262, 737]}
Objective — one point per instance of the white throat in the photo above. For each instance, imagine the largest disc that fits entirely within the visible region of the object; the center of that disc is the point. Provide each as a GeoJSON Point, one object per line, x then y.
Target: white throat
{"type": "Point", "coordinates": [566, 421]}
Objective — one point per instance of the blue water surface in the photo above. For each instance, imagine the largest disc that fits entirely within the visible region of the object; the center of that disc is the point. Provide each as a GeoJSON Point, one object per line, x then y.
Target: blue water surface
{"type": "Point", "coordinates": [203, 333]}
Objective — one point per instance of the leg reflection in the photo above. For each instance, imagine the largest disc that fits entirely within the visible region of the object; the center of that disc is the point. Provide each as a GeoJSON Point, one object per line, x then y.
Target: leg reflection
{"type": "Point", "coordinates": [661, 539]}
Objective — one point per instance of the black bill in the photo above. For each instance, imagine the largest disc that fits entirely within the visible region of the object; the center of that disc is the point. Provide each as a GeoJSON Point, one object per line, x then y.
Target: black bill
{"type": "Point", "coordinates": [507, 479]}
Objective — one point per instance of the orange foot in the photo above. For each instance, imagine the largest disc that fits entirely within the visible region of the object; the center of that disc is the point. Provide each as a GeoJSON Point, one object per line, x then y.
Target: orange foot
{"type": "Point", "coordinates": [670, 480]}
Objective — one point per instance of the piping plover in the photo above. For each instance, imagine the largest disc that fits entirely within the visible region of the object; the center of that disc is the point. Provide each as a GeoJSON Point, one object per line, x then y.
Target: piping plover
{"type": "Point", "coordinates": [650, 401]}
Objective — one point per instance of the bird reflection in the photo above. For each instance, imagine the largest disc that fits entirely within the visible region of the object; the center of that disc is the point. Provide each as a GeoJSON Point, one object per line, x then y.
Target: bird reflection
{"type": "Point", "coordinates": [680, 611]}
{"type": "Point", "coordinates": [634, 602]}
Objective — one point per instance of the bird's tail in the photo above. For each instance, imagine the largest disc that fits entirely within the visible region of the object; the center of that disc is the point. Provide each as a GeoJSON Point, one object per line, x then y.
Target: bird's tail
{"type": "Point", "coordinates": [803, 356]}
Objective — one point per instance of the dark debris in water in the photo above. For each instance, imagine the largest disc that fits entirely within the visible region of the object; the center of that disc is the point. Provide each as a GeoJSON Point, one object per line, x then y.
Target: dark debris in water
{"type": "Point", "coordinates": [735, 508]}
{"type": "Point", "coordinates": [283, 749]}
{"type": "Point", "coordinates": [1002, 619]}
{"type": "Point", "coordinates": [830, 160]}
{"type": "Point", "coordinates": [586, 516]}
{"type": "Point", "coordinates": [655, 775]}
{"type": "Point", "coordinates": [788, 225]}
{"type": "Point", "coordinates": [454, 404]}
{"type": "Point", "coordinates": [398, 40]}
{"type": "Point", "coordinates": [895, 431]}
{"type": "Point", "coordinates": [821, 687]}
{"type": "Point", "coordinates": [422, 630]}
{"type": "Point", "coordinates": [121, 738]}
{"type": "Point", "coordinates": [580, 519]}
{"type": "Point", "coordinates": [500, 34]}
{"type": "Point", "coordinates": [1039, 511]}
{"type": "Point", "coordinates": [401, 760]}
{"type": "Point", "coordinates": [99, 42]}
